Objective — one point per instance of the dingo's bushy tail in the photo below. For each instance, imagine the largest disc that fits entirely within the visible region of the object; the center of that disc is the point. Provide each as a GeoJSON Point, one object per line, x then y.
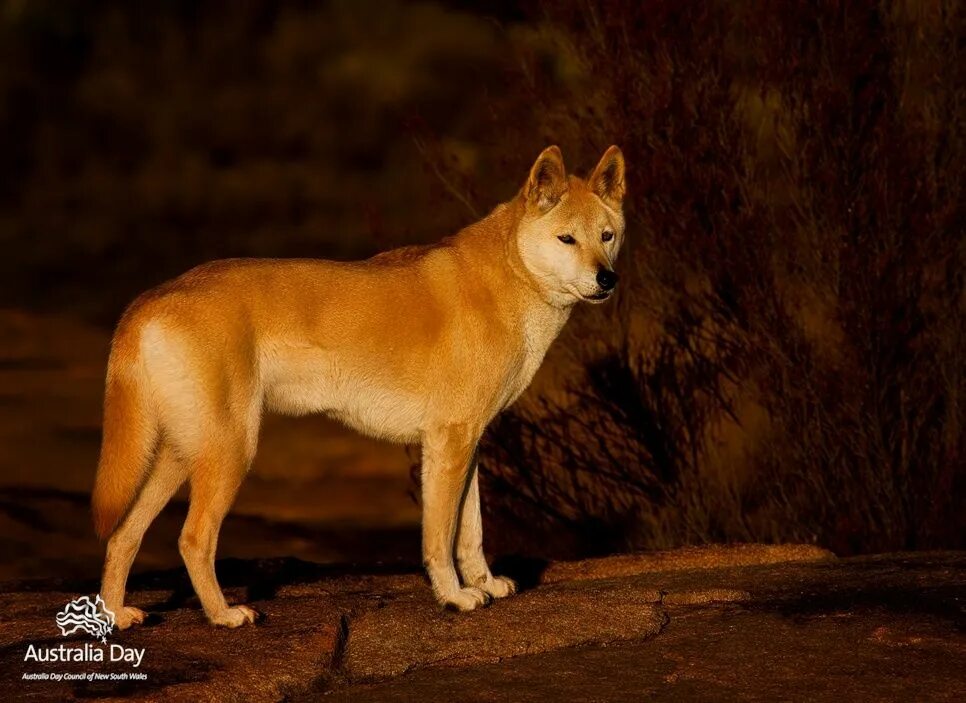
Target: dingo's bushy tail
{"type": "Point", "coordinates": [129, 436]}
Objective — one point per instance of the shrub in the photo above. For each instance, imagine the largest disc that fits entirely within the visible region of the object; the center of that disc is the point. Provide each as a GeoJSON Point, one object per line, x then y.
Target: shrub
{"type": "Point", "coordinates": [784, 361]}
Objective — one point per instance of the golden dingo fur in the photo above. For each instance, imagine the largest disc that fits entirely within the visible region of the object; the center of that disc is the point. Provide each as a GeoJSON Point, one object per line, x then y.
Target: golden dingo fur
{"type": "Point", "coordinates": [420, 344]}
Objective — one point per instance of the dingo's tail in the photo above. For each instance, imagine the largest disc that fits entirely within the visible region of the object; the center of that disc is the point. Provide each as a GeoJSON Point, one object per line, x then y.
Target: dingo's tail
{"type": "Point", "coordinates": [129, 436]}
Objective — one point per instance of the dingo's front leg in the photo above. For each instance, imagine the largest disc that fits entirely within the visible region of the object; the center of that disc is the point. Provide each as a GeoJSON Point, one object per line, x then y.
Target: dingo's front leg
{"type": "Point", "coordinates": [469, 546]}
{"type": "Point", "coordinates": [447, 456]}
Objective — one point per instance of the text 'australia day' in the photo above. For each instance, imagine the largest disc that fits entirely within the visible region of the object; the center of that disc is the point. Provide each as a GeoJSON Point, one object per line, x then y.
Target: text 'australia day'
{"type": "Point", "coordinates": [86, 653]}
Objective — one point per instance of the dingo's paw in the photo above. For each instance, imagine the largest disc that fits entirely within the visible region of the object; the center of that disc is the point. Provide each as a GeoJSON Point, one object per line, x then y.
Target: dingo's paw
{"type": "Point", "coordinates": [465, 599]}
{"type": "Point", "coordinates": [127, 616]}
{"type": "Point", "coordinates": [500, 586]}
{"type": "Point", "coordinates": [235, 616]}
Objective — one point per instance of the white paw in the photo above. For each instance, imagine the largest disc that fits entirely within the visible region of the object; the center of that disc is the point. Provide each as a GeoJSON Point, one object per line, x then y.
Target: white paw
{"type": "Point", "coordinates": [465, 599]}
{"type": "Point", "coordinates": [127, 616]}
{"type": "Point", "coordinates": [236, 616]}
{"type": "Point", "coordinates": [499, 586]}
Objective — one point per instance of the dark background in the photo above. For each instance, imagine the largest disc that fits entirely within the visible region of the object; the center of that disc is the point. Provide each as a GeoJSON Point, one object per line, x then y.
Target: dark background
{"type": "Point", "coordinates": [783, 362]}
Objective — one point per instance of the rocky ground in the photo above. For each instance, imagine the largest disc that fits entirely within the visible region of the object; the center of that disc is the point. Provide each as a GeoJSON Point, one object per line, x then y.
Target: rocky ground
{"type": "Point", "coordinates": [745, 622]}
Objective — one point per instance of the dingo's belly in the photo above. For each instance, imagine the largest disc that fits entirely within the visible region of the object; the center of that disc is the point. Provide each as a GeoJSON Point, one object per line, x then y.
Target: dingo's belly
{"type": "Point", "coordinates": [305, 380]}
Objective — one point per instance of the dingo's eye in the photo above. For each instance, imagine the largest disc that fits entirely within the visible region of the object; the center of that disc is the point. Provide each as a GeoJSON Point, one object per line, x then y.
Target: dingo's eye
{"type": "Point", "coordinates": [567, 239]}
{"type": "Point", "coordinates": [607, 236]}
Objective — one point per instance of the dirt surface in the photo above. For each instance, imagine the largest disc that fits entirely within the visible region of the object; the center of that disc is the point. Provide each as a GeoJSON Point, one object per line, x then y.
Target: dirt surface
{"type": "Point", "coordinates": [720, 623]}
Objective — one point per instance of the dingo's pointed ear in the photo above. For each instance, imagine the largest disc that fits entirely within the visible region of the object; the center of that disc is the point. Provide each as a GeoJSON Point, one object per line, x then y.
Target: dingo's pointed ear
{"type": "Point", "coordinates": [547, 181]}
{"type": "Point", "coordinates": [607, 180]}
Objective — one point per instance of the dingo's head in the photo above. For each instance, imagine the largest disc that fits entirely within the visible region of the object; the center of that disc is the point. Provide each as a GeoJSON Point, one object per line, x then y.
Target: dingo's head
{"type": "Point", "coordinates": [572, 228]}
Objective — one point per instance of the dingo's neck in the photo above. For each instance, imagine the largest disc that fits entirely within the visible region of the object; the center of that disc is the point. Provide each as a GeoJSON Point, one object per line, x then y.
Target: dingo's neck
{"type": "Point", "coordinates": [491, 245]}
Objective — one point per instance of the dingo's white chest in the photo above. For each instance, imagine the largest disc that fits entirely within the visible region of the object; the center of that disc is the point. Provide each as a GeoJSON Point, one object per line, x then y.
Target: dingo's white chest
{"type": "Point", "coordinates": [540, 328]}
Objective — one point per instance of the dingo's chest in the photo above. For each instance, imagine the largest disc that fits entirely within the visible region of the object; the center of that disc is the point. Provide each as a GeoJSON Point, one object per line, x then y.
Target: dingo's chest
{"type": "Point", "coordinates": [540, 328]}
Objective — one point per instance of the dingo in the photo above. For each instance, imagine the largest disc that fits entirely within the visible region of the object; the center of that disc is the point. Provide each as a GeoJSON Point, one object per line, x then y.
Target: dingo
{"type": "Point", "coordinates": [421, 344]}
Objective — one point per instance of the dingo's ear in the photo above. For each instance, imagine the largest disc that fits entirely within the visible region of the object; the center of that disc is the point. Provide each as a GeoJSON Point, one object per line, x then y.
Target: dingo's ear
{"type": "Point", "coordinates": [607, 180]}
{"type": "Point", "coordinates": [548, 179]}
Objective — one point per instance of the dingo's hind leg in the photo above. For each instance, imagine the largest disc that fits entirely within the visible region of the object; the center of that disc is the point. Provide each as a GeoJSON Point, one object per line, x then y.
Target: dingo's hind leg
{"type": "Point", "coordinates": [469, 546]}
{"type": "Point", "coordinates": [163, 480]}
{"type": "Point", "coordinates": [216, 476]}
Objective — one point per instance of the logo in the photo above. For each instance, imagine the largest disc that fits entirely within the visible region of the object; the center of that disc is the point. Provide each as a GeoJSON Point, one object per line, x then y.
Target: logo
{"type": "Point", "coordinates": [90, 616]}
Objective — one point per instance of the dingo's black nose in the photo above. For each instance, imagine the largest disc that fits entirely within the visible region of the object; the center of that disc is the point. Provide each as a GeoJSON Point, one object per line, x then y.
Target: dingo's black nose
{"type": "Point", "coordinates": [606, 279]}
